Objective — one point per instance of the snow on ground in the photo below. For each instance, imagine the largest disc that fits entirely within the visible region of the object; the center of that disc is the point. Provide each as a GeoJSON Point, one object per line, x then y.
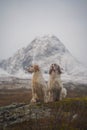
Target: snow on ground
{"type": "Point", "coordinates": [3, 73]}
{"type": "Point", "coordinates": [21, 74]}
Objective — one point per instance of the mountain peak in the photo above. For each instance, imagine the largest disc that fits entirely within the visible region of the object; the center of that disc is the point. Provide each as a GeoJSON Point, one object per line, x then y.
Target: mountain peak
{"type": "Point", "coordinates": [43, 50]}
{"type": "Point", "coordinates": [46, 37]}
{"type": "Point", "coordinates": [48, 42]}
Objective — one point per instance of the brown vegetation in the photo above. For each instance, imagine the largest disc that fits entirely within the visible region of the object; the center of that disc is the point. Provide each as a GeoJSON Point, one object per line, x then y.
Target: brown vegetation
{"type": "Point", "coordinates": [9, 96]}
{"type": "Point", "coordinates": [68, 114]}
{"type": "Point", "coordinates": [14, 96]}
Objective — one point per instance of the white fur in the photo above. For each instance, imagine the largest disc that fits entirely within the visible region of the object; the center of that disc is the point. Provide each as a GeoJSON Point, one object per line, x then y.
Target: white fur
{"type": "Point", "coordinates": [38, 83]}
{"type": "Point", "coordinates": [56, 91]}
{"type": "Point", "coordinates": [63, 93]}
{"type": "Point", "coordinates": [54, 82]}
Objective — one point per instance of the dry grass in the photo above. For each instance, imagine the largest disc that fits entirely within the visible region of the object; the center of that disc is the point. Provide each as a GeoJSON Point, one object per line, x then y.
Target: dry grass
{"type": "Point", "coordinates": [60, 118]}
{"type": "Point", "coordinates": [68, 106]}
{"type": "Point", "coordinates": [9, 96]}
{"type": "Point", "coordinates": [14, 96]}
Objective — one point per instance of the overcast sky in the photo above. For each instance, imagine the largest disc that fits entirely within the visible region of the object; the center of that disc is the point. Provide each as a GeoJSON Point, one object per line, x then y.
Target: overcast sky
{"type": "Point", "coordinates": [23, 20]}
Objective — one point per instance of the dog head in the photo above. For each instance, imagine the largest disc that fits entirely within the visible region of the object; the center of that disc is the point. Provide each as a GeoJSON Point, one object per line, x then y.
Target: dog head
{"type": "Point", "coordinates": [33, 68]}
{"type": "Point", "coordinates": [55, 68]}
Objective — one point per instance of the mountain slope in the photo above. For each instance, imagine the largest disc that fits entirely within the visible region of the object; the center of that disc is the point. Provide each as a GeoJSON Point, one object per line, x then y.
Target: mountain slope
{"type": "Point", "coordinates": [44, 51]}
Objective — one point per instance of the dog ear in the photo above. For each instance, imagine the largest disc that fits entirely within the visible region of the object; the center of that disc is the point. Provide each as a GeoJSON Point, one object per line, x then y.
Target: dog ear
{"type": "Point", "coordinates": [36, 68]}
{"type": "Point", "coordinates": [59, 69]}
{"type": "Point", "coordinates": [50, 71]}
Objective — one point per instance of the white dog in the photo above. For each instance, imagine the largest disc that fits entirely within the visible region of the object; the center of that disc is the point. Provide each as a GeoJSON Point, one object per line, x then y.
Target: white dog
{"type": "Point", "coordinates": [38, 84]}
{"type": "Point", "coordinates": [55, 87]}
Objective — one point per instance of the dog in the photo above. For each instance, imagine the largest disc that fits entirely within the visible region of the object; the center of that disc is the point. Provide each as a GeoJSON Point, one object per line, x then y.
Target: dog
{"type": "Point", "coordinates": [63, 93]}
{"type": "Point", "coordinates": [38, 84]}
{"type": "Point", "coordinates": [55, 85]}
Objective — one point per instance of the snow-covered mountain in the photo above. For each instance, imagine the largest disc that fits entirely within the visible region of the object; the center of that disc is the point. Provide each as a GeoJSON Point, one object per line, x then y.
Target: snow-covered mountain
{"type": "Point", "coordinates": [45, 51]}
{"type": "Point", "coordinates": [3, 73]}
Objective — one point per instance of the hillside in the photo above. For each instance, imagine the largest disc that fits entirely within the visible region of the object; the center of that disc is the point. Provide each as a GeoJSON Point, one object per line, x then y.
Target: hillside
{"type": "Point", "coordinates": [45, 51]}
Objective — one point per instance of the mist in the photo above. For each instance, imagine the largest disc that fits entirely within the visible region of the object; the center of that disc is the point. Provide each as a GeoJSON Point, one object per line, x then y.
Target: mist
{"type": "Point", "coordinates": [23, 20]}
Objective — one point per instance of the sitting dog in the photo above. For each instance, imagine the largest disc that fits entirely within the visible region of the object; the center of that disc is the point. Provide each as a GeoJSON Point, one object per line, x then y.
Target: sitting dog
{"type": "Point", "coordinates": [55, 85]}
{"type": "Point", "coordinates": [38, 84]}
